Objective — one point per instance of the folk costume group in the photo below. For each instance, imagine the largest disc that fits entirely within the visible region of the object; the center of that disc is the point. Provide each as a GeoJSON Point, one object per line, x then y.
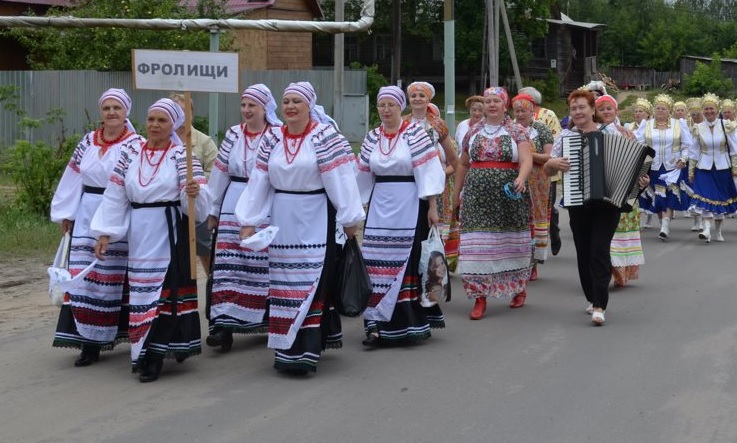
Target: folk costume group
{"type": "Point", "coordinates": [123, 198]}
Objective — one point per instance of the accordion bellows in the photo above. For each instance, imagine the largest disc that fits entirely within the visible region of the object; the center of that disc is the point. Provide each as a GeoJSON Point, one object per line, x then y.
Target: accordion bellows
{"type": "Point", "coordinates": [604, 167]}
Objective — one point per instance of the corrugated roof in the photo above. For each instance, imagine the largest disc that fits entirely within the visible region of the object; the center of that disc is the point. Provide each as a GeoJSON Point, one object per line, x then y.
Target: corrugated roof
{"type": "Point", "coordinates": [567, 21]}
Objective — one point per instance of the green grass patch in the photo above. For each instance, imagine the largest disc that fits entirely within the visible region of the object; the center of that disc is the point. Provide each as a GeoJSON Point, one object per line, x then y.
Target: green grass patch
{"type": "Point", "coordinates": [23, 233]}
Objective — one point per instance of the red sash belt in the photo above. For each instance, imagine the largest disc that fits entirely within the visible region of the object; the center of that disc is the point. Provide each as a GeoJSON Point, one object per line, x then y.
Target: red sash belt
{"type": "Point", "coordinates": [497, 165]}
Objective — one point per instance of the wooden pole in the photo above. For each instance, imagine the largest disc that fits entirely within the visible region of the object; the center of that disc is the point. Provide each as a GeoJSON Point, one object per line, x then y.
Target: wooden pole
{"type": "Point", "coordinates": [510, 43]}
{"type": "Point", "coordinates": [190, 176]}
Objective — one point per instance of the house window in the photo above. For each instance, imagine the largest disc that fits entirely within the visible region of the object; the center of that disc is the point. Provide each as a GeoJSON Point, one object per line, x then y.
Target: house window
{"type": "Point", "coordinates": [437, 49]}
{"type": "Point", "coordinates": [382, 47]}
{"type": "Point", "coordinates": [351, 48]}
{"type": "Point", "coordinates": [537, 47]}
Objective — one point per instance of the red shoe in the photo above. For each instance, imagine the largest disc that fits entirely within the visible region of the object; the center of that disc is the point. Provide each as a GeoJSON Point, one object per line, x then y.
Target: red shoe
{"type": "Point", "coordinates": [533, 274]}
{"type": "Point", "coordinates": [519, 300]}
{"type": "Point", "coordinates": [479, 308]}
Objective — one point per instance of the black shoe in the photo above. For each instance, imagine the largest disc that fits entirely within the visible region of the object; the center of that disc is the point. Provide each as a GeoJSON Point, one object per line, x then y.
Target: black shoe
{"type": "Point", "coordinates": [89, 355]}
{"type": "Point", "coordinates": [222, 338]}
{"type": "Point", "coordinates": [151, 371]}
{"type": "Point", "coordinates": [372, 341]}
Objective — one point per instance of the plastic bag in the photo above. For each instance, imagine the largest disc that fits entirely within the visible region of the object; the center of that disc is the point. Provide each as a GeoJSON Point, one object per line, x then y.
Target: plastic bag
{"type": "Point", "coordinates": [58, 272]}
{"type": "Point", "coordinates": [354, 284]}
{"type": "Point", "coordinates": [434, 270]}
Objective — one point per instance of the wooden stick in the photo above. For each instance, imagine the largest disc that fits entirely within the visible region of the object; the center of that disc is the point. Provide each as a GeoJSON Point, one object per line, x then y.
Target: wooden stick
{"type": "Point", "coordinates": [190, 175]}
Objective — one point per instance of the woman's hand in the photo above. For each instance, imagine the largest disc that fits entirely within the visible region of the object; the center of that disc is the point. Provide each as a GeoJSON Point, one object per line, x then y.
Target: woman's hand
{"type": "Point", "coordinates": [66, 226]}
{"type": "Point", "coordinates": [432, 215]}
{"type": "Point", "coordinates": [247, 231]}
{"type": "Point", "coordinates": [212, 222]}
{"type": "Point", "coordinates": [519, 185]}
{"type": "Point", "coordinates": [192, 188]}
{"type": "Point", "coordinates": [350, 231]}
{"type": "Point", "coordinates": [449, 170]}
{"type": "Point", "coordinates": [644, 181]}
{"type": "Point", "coordinates": [680, 164]}
{"type": "Point", "coordinates": [101, 247]}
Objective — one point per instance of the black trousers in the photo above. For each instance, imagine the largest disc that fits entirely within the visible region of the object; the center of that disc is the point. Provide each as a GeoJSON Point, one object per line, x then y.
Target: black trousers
{"type": "Point", "coordinates": [593, 227]}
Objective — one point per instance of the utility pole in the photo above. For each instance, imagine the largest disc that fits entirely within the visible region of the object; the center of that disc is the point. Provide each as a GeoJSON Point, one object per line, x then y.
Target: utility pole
{"type": "Point", "coordinates": [449, 58]}
{"type": "Point", "coordinates": [492, 20]}
{"type": "Point", "coordinates": [510, 43]}
{"type": "Point", "coordinates": [396, 41]}
{"type": "Point", "coordinates": [338, 66]}
{"type": "Point", "coordinates": [212, 123]}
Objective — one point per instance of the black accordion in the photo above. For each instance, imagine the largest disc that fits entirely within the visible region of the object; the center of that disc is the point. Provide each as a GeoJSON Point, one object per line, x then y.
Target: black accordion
{"type": "Point", "coordinates": [604, 167]}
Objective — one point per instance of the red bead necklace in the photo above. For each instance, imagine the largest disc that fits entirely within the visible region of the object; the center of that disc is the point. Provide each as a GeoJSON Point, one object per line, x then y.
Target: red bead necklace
{"type": "Point", "coordinates": [148, 154]}
{"type": "Point", "coordinates": [104, 143]}
{"type": "Point", "coordinates": [248, 136]}
{"type": "Point", "coordinates": [290, 152]}
{"type": "Point", "coordinates": [391, 138]}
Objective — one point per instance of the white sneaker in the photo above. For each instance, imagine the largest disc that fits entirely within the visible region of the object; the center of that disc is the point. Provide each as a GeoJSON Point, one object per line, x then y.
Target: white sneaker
{"type": "Point", "coordinates": [719, 236]}
{"type": "Point", "coordinates": [648, 223]}
{"type": "Point", "coordinates": [697, 224]}
{"type": "Point", "coordinates": [664, 228]}
{"type": "Point", "coordinates": [705, 234]}
{"type": "Point", "coordinates": [598, 318]}
{"type": "Point", "coordinates": [590, 309]}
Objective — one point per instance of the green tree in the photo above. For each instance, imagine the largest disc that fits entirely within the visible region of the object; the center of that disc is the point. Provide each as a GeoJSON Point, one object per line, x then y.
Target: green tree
{"type": "Point", "coordinates": [108, 49]}
{"type": "Point", "coordinates": [708, 78]}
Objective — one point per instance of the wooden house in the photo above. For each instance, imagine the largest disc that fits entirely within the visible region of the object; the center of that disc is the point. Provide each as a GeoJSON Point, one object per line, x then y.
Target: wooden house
{"type": "Point", "coordinates": [570, 50]}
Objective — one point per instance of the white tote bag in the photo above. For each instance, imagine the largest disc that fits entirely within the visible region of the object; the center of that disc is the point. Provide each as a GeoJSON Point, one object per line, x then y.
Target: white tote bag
{"type": "Point", "coordinates": [434, 270]}
{"type": "Point", "coordinates": [60, 279]}
{"type": "Point", "coordinates": [58, 272]}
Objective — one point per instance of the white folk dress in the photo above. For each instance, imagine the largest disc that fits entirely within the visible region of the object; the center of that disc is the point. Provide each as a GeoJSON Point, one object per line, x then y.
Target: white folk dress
{"type": "Point", "coordinates": [96, 312]}
{"type": "Point", "coordinates": [305, 194]}
{"type": "Point", "coordinates": [396, 177]}
{"type": "Point", "coordinates": [146, 201]}
{"type": "Point", "coordinates": [240, 277]}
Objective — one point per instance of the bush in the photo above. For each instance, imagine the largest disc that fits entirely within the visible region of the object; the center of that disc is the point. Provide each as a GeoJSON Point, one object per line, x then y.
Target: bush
{"type": "Point", "coordinates": [549, 87]}
{"type": "Point", "coordinates": [374, 81]}
{"type": "Point", "coordinates": [36, 168]}
{"type": "Point", "coordinates": [708, 78]}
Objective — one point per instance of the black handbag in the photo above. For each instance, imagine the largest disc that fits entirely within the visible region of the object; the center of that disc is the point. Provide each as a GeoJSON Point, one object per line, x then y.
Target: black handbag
{"type": "Point", "coordinates": [354, 284]}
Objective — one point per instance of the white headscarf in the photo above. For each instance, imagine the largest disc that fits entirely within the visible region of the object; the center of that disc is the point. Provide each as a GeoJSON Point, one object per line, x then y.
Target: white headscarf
{"type": "Point", "coordinates": [175, 113]}
{"type": "Point", "coordinates": [261, 94]}
{"type": "Point", "coordinates": [307, 92]}
{"type": "Point", "coordinates": [124, 99]}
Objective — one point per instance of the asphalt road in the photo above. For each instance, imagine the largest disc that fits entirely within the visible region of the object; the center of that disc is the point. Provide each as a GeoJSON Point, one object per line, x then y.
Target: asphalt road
{"type": "Point", "coordinates": [662, 369]}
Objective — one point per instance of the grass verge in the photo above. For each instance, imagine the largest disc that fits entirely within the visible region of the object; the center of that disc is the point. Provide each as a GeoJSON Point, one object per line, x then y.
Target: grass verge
{"type": "Point", "coordinates": [26, 235]}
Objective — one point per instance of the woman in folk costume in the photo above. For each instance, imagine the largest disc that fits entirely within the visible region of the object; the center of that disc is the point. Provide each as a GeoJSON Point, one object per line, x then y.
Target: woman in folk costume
{"type": "Point", "coordinates": [670, 138]}
{"type": "Point", "coordinates": [539, 182]}
{"type": "Point", "coordinates": [94, 316]}
{"type": "Point", "coordinates": [626, 245]}
{"type": "Point", "coordinates": [496, 249]}
{"type": "Point", "coordinates": [146, 200]}
{"type": "Point", "coordinates": [550, 120]}
{"type": "Point", "coordinates": [304, 179]}
{"type": "Point", "coordinates": [728, 110]}
{"type": "Point", "coordinates": [712, 166]}
{"type": "Point", "coordinates": [399, 175]}
{"type": "Point", "coordinates": [695, 116]}
{"type": "Point", "coordinates": [680, 111]}
{"type": "Point", "coordinates": [475, 107]}
{"type": "Point", "coordinates": [240, 276]}
{"type": "Point", "coordinates": [642, 110]}
{"type": "Point", "coordinates": [427, 115]}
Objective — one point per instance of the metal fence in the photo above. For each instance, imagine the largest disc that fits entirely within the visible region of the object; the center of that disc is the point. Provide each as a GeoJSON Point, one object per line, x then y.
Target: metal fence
{"type": "Point", "coordinates": [77, 92]}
